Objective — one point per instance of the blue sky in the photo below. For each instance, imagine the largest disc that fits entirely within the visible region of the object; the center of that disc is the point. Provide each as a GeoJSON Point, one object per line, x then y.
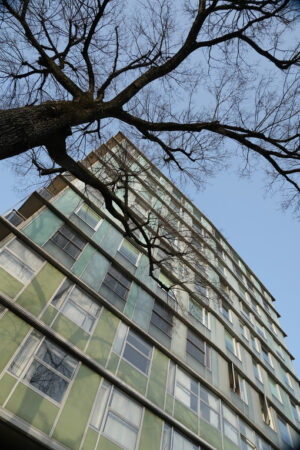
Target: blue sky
{"type": "Point", "coordinates": [264, 236]}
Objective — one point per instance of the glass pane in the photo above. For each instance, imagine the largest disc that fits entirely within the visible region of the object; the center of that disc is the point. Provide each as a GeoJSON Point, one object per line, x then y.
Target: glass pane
{"type": "Point", "coordinates": [59, 240]}
{"type": "Point", "coordinates": [72, 250]}
{"type": "Point", "coordinates": [120, 431]}
{"type": "Point", "coordinates": [136, 358]}
{"type": "Point", "coordinates": [100, 405]}
{"type": "Point", "coordinates": [139, 343]}
{"type": "Point", "coordinates": [61, 293]}
{"type": "Point", "coordinates": [23, 356]}
{"type": "Point", "coordinates": [56, 358]}
{"type": "Point", "coordinates": [161, 324]}
{"type": "Point", "coordinates": [46, 381]}
{"type": "Point", "coordinates": [231, 432]}
{"type": "Point", "coordinates": [78, 316]}
{"type": "Point", "coordinates": [209, 415]}
{"type": "Point", "coordinates": [181, 443]}
{"type": "Point", "coordinates": [126, 408]}
{"type": "Point", "coordinates": [88, 216]}
{"type": "Point", "coordinates": [32, 259]}
{"type": "Point", "coordinates": [14, 266]}
{"type": "Point", "coordinates": [195, 352]}
{"type": "Point", "coordinates": [129, 251]}
{"type": "Point", "coordinates": [209, 398]}
{"type": "Point", "coordinates": [84, 302]}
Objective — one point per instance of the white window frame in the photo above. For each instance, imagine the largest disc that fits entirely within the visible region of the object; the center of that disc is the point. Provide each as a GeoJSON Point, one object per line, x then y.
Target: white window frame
{"type": "Point", "coordinates": [221, 305]}
{"type": "Point", "coordinates": [138, 256]}
{"type": "Point", "coordinates": [205, 314]}
{"type": "Point", "coordinates": [20, 262]}
{"type": "Point", "coordinates": [236, 346]}
{"type": "Point", "coordinates": [83, 204]}
{"type": "Point", "coordinates": [258, 367]}
{"type": "Point", "coordinates": [33, 357]}
{"type": "Point", "coordinates": [66, 298]}
{"type": "Point", "coordinates": [276, 387]}
{"type": "Point", "coordinates": [244, 331]}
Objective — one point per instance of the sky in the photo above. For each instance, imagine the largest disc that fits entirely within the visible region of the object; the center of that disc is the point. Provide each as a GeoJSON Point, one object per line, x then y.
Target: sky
{"type": "Point", "coordinates": [264, 236]}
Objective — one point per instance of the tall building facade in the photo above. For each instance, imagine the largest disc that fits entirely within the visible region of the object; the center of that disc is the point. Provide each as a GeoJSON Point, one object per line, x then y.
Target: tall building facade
{"type": "Point", "coordinates": [95, 354]}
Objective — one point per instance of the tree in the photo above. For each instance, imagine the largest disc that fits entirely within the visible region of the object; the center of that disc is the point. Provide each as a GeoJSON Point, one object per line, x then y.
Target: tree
{"type": "Point", "coordinates": [70, 68]}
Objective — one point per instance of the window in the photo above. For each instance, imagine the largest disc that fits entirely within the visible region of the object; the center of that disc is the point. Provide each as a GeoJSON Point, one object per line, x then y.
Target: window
{"type": "Point", "coordinates": [274, 328]}
{"type": "Point", "coordinates": [138, 352]}
{"type": "Point", "coordinates": [162, 318]}
{"type": "Point", "coordinates": [197, 228]}
{"type": "Point", "coordinates": [238, 272]}
{"type": "Point", "coordinates": [12, 259]}
{"type": "Point", "coordinates": [44, 366]}
{"type": "Point", "coordinates": [94, 195]}
{"type": "Point", "coordinates": [284, 432]}
{"type": "Point", "coordinates": [200, 287]}
{"type": "Point", "coordinates": [14, 217]}
{"type": "Point", "coordinates": [287, 379]}
{"type": "Point", "coordinates": [230, 425]}
{"type": "Point", "coordinates": [186, 390]}
{"type": "Point", "coordinates": [225, 310]}
{"type": "Point", "coordinates": [168, 283]}
{"type": "Point", "coordinates": [237, 383]}
{"type": "Point", "coordinates": [224, 290]}
{"type": "Point", "coordinates": [197, 243]}
{"type": "Point", "coordinates": [279, 351]}
{"type": "Point", "coordinates": [257, 371]}
{"type": "Point", "coordinates": [266, 411]}
{"type": "Point", "coordinates": [198, 312]}
{"type": "Point", "coordinates": [295, 412]}
{"type": "Point", "coordinates": [232, 345]}
{"type": "Point", "coordinates": [117, 416]}
{"type": "Point", "coordinates": [117, 282]}
{"type": "Point", "coordinates": [172, 440]}
{"type": "Point", "coordinates": [200, 266]}
{"type": "Point", "coordinates": [129, 252]}
{"type": "Point", "coordinates": [246, 313]}
{"type": "Point", "coordinates": [198, 348]}
{"type": "Point", "coordinates": [247, 437]}
{"type": "Point", "coordinates": [244, 331]}
{"type": "Point", "coordinates": [266, 356]}
{"type": "Point", "coordinates": [274, 389]}
{"type": "Point", "coordinates": [209, 407]}
{"type": "Point", "coordinates": [88, 216]}
{"type": "Point", "coordinates": [261, 331]}
{"type": "Point", "coordinates": [255, 343]}
{"type": "Point", "coordinates": [77, 306]}
{"type": "Point", "coordinates": [69, 241]}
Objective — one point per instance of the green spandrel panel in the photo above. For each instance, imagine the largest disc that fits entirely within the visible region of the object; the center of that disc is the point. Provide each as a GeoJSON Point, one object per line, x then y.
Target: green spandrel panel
{"type": "Point", "coordinates": [132, 377]}
{"type": "Point", "coordinates": [131, 300]}
{"type": "Point", "coordinates": [211, 434]}
{"type": "Point", "coordinates": [8, 284]}
{"type": "Point", "coordinates": [76, 411]}
{"type": "Point", "coordinates": [158, 378]}
{"type": "Point", "coordinates": [151, 432]}
{"type": "Point", "coordinates": [229, 445]}
{"type": "Point", "coordinates": [106, 444]}
{"type": "Point", "coordinates": [95, 271]}
{"type": "Point", "coordinates": [49, 315]}
{"type": "Point", "coordinates": [90, 440]}
{"type": "Point", "coordinates": [143, 309]}
{"type": "Point", "coordinates": [67, 202]}
{"type": "Point", "coordinates": [113, 362]}
{"type": "Point", "coordinates": [41, 289]}
{"type": "Point", "coordinates": [100, 233]}
{"type": "Point", "coordinates": [72, 332]}
{"type": "Point", "coordinates": [169, 404]}
{"type": "Point", "coordinates": [111, 240]}
{"type": "Point", "coordinates": [83, 260]}
{"type": "Point", "coordinates": [12, 332]}
{"type": "Point", "coordinates": [42, 227]}
{"type": "Point", "coordinates": [103, 336]}
{"type": "Point", "coordinates": [142, 272]}
{"type": "Point", "coordinates": [7, 382]}
{"type": "Point", "coordinates": [186, 416]}
{"type": "Point", "coordinates": [33, 408]}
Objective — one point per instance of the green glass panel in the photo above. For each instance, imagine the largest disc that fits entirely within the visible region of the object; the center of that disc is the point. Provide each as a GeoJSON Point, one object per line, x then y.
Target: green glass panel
{"type": "Point", "coordinates": [70, 331]}
{"type": "Point", "coordinates": [158, 378]}
{"type": "Point", "coordinates": [42, 227]}
{"type": "Point", "coordinates": [33, 408]}
{"type": "Point", "coordinates": [7, 382]}
{"type": "Point", "coordinates": [8, 284]}
{"type": "Point", "coordinates": [76, 411]}
{"type": "Point", "coordinates": [41, 289]}
{"type": "Point", "coordinates": [151, 432]}
{"type": "Point", "coordinates": [132, 376]}
{"type": "Point", "coordinates": [12, 332]}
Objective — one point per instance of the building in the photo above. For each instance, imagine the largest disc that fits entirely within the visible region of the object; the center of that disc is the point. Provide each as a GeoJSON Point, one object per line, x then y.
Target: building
{"type": "Point", "coordinates": [95, 354]}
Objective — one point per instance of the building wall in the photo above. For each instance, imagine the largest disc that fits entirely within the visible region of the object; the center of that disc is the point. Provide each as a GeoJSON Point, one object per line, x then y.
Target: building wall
{"type": "Point", "coordinates": [99, 353]}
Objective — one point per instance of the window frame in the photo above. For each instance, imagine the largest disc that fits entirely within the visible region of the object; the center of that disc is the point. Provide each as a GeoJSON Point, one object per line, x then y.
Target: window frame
{"type": "Point", "coordinates": [135, 264]}
{"type": "Point", "coordinates": [117, 280]}
{"type": "Point", "coordinates": [138, 351]}
{"type": "Point", "coordinates": [69, 241]}
{"type": "Point", "coordinates": [162, 317]}
{"type": "Point", "coordinates": [206, 352]}
{"type": "Point", "coordinates": [85, 205]}
{"type": "Point", "coordinates": [21, 263]}
{"type": "Point", "coordinates": [205, 321]}
{"type": "Point", "coordinates": [236, 346]}
{"type": "Point", "coordinates": [33, 358]}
